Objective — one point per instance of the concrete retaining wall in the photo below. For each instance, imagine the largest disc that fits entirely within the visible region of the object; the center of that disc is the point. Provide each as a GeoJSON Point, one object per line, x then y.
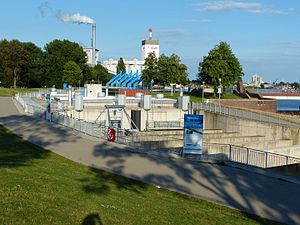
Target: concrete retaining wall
{"type": "Point", "coordinates": [251, 127]}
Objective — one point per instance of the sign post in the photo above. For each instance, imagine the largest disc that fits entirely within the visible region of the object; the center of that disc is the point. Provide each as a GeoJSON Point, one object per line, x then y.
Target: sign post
{"type": "Point", "coordinates": [193, 134]}
{"type": "Point", "coordinates": [48, 108]}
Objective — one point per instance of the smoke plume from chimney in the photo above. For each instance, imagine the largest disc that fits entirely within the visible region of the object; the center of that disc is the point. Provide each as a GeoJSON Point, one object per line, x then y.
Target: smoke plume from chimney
{"type": "Point", "coordinates": [74, 18]}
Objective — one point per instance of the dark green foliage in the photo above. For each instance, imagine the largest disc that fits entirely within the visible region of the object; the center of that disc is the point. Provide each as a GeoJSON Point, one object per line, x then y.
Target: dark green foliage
{"type": "Point", "coordinates": [72, 74]}
{"type": "Point", "coordinates": [102, 74]}
{"type": "Point", "coordinates": [121, 66]}
{"type": "Point", "coordinates": [34, 71]}
{"type": "Point", "coordinates": [57, 54]}
{"type": "Point", "coordinates": [171, 70]}
{"type": "Point", "coordinates": [151, 69]}
{"type": "Point", "coordinates": [89, 74]}
{"type": "Point", "coordinates": [165, 70]}
{"type": "Point", "coordinates": [222, 64]}
{"type": "Point", "coordinates": [13, 60]}
{"type": "Point", "coordinates": [295, 85]}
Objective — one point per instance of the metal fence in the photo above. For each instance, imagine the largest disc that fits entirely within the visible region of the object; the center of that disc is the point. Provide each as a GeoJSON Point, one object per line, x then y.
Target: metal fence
{"type": "Point", "coordinates": [163, 145]}
{"type": "Point", "coordinates": [248, 156]}
{"type": "Point", "coordinates": [164, 125]}
{"type": "Point", "coordinates": [244, 114]}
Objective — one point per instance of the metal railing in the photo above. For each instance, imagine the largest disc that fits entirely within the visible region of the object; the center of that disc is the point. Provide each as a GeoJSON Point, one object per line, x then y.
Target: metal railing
{"type": "Point", "coordinates": [163, 146]}
{"type": "Point", "coordinates": [248, 156]}
{"type": "Point", "coordinates": [164, 125]}
{"type": "Point", "coordinates": [244, 114]}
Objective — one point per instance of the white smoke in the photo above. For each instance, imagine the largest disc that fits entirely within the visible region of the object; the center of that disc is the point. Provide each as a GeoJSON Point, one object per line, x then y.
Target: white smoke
{"type": "Point", "coordinates": [74, 18]}
{"type": "Point", "coordinates": [65, 17]}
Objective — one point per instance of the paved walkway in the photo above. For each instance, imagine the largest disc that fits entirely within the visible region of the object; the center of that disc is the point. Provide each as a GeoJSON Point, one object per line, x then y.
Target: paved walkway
{"type": "Point", "coordinates": [268, 197]}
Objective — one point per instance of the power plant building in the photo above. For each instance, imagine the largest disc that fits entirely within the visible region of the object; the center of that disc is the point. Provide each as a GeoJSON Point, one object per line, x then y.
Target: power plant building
{"type": "Point", "coordinates": [136, 65]}
{"type": "Point", "coordinates": [149, 46]}
{"type": "Point", "coordinates": [89, 55]}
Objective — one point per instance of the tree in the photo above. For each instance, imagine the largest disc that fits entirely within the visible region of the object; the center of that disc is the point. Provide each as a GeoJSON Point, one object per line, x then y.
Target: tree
{"type": "Point", "coordinates": [171, 70]}
{"type": "Point", "coordinates": [102, 74]}
{"type": "Point", "coordinates": [34, 72]}
{"type": "Point", "coordinates": [72, 74]}
{"type": "Point", "coordinates": [121, 66]}
{"type": "Point", "coordinates": [57, 54]}
{"type": "Point", "coordinates": [295, 85]}
{"type": "Point", "coordinates": [13, 59]}
{"type": "Point", "coordinates": [150, 71]}
{"type": "Point", "coordinates": [220, 65]}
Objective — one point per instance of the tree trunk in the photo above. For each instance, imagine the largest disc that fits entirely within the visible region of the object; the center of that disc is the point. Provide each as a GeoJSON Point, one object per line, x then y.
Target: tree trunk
{"type": "Point", "coordinates": [15, 77]}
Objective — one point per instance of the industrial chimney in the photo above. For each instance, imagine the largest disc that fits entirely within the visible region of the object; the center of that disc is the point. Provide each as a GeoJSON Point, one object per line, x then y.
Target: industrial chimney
{"type": "Point", "coordinates": [94, 44]}
{"type": "Point", "coordinates": [150, 33]}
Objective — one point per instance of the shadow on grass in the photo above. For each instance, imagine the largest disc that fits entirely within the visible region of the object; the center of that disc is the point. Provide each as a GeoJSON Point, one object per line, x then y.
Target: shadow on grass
{"type": "Point", "coordinates": [248, 192]}
{"type": "Point", "coordinates": [102, 182]}
{"type": "Point", "coordinates": [242, 190]}
{"type": "Point", "coordinates": [92, 219]}
{"type": "Point", "coordinates": [14, 151]}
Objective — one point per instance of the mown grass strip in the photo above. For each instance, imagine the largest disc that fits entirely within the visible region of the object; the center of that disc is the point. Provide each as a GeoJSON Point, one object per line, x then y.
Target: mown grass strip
{"type": "Point", "coordinates": [40, 187]}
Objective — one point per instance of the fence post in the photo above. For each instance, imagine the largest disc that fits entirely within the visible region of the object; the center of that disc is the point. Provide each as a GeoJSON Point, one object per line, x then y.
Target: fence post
{"type": "Point", "coordinates": [266, 162]}
{"type": "Point", "coordinates": [229, 152]}
{"type": "Point", "coordinates": [247, 156]}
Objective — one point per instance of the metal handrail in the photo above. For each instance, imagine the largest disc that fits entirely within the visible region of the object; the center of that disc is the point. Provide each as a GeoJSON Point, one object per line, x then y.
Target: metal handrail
{"type": "Point", "coordinates": [244, 114]}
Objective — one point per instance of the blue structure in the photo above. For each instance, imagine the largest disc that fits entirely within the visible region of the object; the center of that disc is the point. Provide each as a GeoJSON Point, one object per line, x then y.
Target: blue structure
{"type": "Point", "coordinates": [125, 80]}
{"type": "Point", "coordinates": [114, 78]}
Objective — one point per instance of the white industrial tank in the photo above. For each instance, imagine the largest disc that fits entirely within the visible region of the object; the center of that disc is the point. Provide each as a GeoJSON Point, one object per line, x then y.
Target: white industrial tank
{"type": "Point", "coordinates": [78, 102]}
{"type": "Point", "coordinates": [146, 102]}
{"type": "Point", "coordinates": [183, 102]}
{"type": "Point", "coordinates": [121, 99]}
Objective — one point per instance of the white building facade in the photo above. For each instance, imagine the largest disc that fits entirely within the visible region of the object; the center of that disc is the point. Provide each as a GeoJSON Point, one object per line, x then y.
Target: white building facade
{"type": "Point", "coordinates": [89, 55]}
{"type": "Point", "coordinates": [256, 80]}
{"type": "Point", "coordinates": [135, 65]}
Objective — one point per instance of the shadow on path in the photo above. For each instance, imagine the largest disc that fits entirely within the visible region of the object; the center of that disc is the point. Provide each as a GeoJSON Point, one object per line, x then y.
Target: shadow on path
{"type": "Point", "coordinates": [249, 192]}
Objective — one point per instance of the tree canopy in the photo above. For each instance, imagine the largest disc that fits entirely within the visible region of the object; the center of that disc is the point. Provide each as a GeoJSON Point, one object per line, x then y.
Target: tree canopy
{"type": "Point", "coordinates": [121, 66]}
{"type": "Point", "coordinates": [72, 74]}
{"type": "Point", "coordinates": [57, 54]}
{"type": "Point", "coordinates": [220, 65]}
{"type": "Point", "coordinates": [165, 70]}
{"type": "Point", "coordinates": [150, 72]}
{"type": "Point", "coordinates": [171, 70]}
{"type": "Point", "coordinates": [34, 71]}
{"type": "Point", "coordinates": [13, 59]}
{"type": "Point", "coordinates": [102, 74]}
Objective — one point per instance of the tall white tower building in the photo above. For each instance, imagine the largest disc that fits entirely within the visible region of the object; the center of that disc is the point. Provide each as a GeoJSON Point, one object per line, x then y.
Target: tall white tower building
{"type": "Point", "coordinates": [149, 46]}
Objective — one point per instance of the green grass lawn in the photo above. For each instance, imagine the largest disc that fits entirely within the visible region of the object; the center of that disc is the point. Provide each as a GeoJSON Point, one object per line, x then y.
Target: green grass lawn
{"type": "Point", "coordinates": [40, 187]}
{"type": "Point", "coordinates": [10, 91]}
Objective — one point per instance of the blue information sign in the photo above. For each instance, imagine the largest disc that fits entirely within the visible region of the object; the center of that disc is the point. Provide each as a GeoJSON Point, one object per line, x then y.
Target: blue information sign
{"type": "Point", "coordinates": [193, 134]}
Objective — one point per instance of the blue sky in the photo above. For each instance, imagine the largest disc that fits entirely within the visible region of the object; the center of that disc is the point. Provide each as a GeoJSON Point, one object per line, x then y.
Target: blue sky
{"type": "Point", "coordinates": [264, 35]}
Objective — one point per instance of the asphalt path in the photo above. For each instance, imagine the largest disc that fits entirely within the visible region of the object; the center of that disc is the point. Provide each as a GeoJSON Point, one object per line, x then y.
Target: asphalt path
{"type": "Point", "coordinates": [246, 191]}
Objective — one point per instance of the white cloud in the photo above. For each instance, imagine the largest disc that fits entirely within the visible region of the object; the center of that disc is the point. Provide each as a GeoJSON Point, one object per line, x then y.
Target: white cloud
{"type": "Point", "coordinates": [172, 32]}
{"type": "Point", "coordinates": [226, 5]}
{"type": "Point", "coordinates": [250, 7]}
{"type": "Point", "coordinates": [197, 21]}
